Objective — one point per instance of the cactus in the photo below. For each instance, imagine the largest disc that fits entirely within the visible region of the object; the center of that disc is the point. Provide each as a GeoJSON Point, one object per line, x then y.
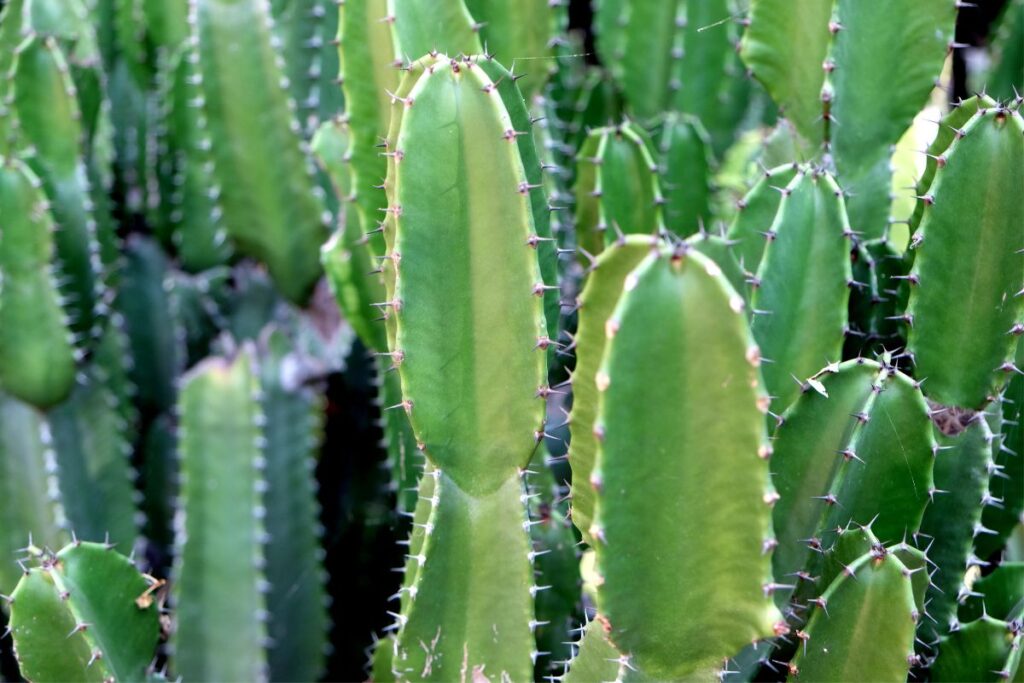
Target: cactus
{"type": "Point", "coordinates": [982, 328]}
{"type": "Point", "coordinates": [271, 211]}
{"type": "Point", "coordinates": [756, 214]}
{"type": "Point", "coordinates": [521, 35]}
{"type": "Point", "coordinates": [91, 436]}
{"type": "Point", "coordinates": [196, 214]}
{"type": "Point", "coordinates": [646, 584]}
{"type": "Point", "coordinates": [986, 649]}
{"type": "Point", "coordinates": [31, 507]}
{"type": "Point", "coordinates": [49, 130]}
{"type": "Point", "coordinates": [596, 659]}
{"type": "Point", "coordinates": [832, 465]}
{"type": "Point", "coordinates": [84, 613]}
{"type": "Point", "coordinates": [875, 588]}
{"type": "Point", "coordinates": [306, 31]}
{"type": "Point", "coordinates": [1005, 485]}
{"type": "Point", "coordinates": [617, 188]}
{"type": "Point", "coordinates": [203, 206]}
{"type": "Point", "coordinates": [802, 284]}
{"type": "Point", "coordinates": [835, 82]}
{"type": "Point", "coordinates": [296, 601]}
{"type": "Point", "coordinates": [220, 413]}
{"type": "Point", "coordinates": [953, 518]}
{"type": "Point", "coordinates": [686, 175]}
{"type": "Point", "coordinates": [480, 447]}
{"type": "Point", "coordinates": [37, 353]}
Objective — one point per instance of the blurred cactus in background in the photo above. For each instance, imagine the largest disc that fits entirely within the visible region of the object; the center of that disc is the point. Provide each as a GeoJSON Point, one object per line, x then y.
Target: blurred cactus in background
{"type": "Point", "coordinates": [511, 340]}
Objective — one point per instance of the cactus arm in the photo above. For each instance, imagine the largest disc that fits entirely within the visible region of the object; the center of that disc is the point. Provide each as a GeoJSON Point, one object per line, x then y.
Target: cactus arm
{"type": "Point", "coordinates": [886, 58]}
{"type": "Point", "coordinates": [866, 632]}
{"type": "Point", "coordinates": [894, 485]}
{"type": "Point", "coordinates": [519, 34]}
{"type": "Point", "coordinates": [596, 658]}
{"type": "Point", "coordinates": [962, 467]}
{"type": "Point", "coordinates": [153, 334]}
{"type": "Point", "coordinates": [307, 30]}
{"type": "Point", "coordinates": [756, 214]}
{"type": "Point", "coordinates": [195, 217]}
{"type": "Point", "coordinates": [686, 175]}
{"type": "Point", "coordinates": [597, 303]}
{"type": "Point", "coordinates": [93, 447]}
{"type": "Point", "coordinates": [784, 46]}
{"type": "Point", "coordinates": [29, 498]}
{"type": "Point", "coordinates": [463, 616]}
{"type": "Point", "coordinates": [978, 651]}
{"type": "Point", "coordinates": [642, 54]}
{"type": "Point", "coordinates": [272, 210]}
{"type": "Point", "coordinates": [621, 192]}
{"type": "Point", "coordinates": [464, 195]}
{"type": "Point", "coordinates": [37, 355]}
{"type": "Point", "coordinates": [218, 572]}
{"type": "Point", "coordinates": [961, 345]}
{"type": "Point", "coordinates": [419, 27]}
{"type": "Point", "coordinates": [663, 415]}
{"type": "Point", "coordinates": [296, 601]}
{"type": "Point", "coordinates": [368, 74]}
{"type": "Point", "coordinates": [803, 285]}
{"type": "Point", "coordinates": [84, 584]}
{"type": "Point", "coordinates": [944, 137]}
{"type": "Point", "coordinates": [806, 457]}
{"type": "Point", "coordinates": [1009, 487]}
{"type": "Point", "coordinates": [49, 121]}
{"type": "Point", "coordinates": [834, 464]}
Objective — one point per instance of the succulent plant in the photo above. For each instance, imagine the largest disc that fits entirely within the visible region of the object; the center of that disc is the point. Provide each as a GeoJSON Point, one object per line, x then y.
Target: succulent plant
{"type": "Point", "coordinates": [670, 359]}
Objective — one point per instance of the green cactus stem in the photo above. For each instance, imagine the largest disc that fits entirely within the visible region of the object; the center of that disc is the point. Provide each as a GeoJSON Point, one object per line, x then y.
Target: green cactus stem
{"type": "Point", "coordinates": [660, 410]}
{"type": "Point", "coordinates": [37, 354]}
{"type": "Point", "coordinates": [964, 346]}
{"type": "Point", "coordinates": [84, 614]}
{"type": "Point", "coordinates": [272, 211]}
{"type": "Point", "coordinates": [802, 286]}
{"type": "Point", "coordinates": [219, 581]}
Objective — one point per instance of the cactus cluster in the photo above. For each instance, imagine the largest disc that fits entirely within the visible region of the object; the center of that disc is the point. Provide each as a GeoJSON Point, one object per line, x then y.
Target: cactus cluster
{"type": "Point", "coordinates": [666, 362]}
